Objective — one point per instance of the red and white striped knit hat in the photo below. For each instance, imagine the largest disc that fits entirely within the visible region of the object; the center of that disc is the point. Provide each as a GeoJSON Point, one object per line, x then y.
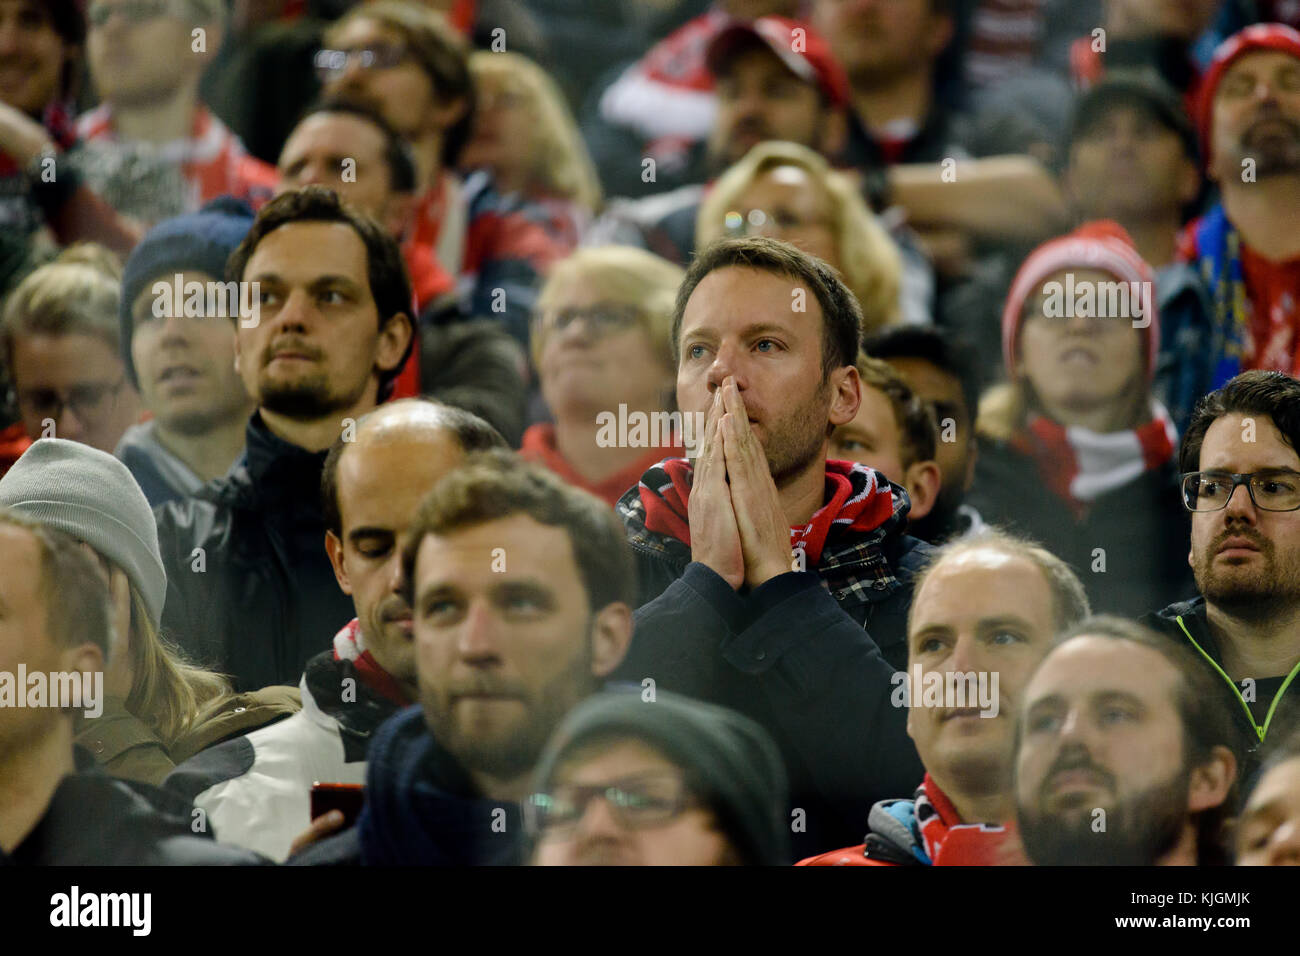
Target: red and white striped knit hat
{"type": "Point", "coordinates": [1103, 245]}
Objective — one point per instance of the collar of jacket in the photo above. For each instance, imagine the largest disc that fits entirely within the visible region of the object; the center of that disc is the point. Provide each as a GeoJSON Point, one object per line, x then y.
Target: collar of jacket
{"type": "Point", "coordinates": [422, 807]}
{"type": "Point", "coordinates": [1195, 619]}
{"type": "Point", "coordinates": [114, 732]}
{"type": "Point", "coordinates": [357, 709]}
{"type": "Point", "coordinates": [280, 471]}
{"type": "Point", "coordinates": [860, 568]}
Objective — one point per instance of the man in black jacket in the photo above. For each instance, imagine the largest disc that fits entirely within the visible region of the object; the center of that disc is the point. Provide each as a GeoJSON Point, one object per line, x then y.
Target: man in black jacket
{"type": "Point", "coordinates": [1245, 548]}
{"type": "Point", "coordinates": [773, 582]}
{"type": "Point", "coordinates": [55, 808]}
{"type": "Point", "coordinates": [250, 589]}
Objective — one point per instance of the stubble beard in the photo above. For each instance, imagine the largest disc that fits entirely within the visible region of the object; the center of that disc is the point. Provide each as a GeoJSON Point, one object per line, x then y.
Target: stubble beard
{"type": "Point", "coordinates": [512, 751]}
{"type": "Point", "coordinates": [1257, 595]}
{"type": "Point", "coordinates": [797, 441]}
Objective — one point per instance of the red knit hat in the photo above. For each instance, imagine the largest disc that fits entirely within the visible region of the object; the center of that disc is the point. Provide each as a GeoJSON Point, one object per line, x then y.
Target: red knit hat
{"type": "Point", "coordinates": [1103, 245]}
{"type": "Point", "coordinates": [1259, 36]}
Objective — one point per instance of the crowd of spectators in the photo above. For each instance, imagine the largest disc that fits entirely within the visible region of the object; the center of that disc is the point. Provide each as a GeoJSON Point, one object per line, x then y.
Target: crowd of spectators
{"type": "Point", "coordinates": [700, 432]}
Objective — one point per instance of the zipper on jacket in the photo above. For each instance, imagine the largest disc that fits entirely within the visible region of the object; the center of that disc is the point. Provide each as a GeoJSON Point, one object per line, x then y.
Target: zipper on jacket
{"type": "Point", "coordinates": [1260, 732]}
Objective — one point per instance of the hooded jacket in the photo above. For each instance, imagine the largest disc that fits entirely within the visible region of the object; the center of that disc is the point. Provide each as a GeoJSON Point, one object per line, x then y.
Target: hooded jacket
{"type": "Point", "coordinates": [809, 656]}
{"type": "Point", "coordinates": [96, 820]}
{"type": "Point", "coordinates": [1260, 708]}
{"type": "Point", "coordinates": [421, 809]}
{"type": "Point", "coordinates": [256, 789]}
{"type": "Point", "coordinates": [259, 597]}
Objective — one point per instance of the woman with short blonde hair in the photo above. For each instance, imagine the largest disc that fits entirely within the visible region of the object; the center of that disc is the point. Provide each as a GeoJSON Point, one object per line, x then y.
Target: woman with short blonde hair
{"type": "Point", "coordinates": [813, 207]}
{"type": "Point", "coordinates": [602, 344]}
{"type": "Point", "coordinates": [525, 134]}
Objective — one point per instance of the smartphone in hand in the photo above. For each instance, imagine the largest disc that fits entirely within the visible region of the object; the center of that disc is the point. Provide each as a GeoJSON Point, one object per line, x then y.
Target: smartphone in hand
{"type": "Point", "coordinates": [347, 797]}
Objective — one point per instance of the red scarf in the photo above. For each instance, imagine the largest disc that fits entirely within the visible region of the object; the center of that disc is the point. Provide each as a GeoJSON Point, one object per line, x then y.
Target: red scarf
{"type": "Point", "coordinates": [950, 842]}
{"type": "Point", "coordinates": [1080, 466]}
{"type": "Point", "coordinates": [349, 645]}
{"type": "Point", "coordinates": [857, 499]}
{"type": "Point", "coordinates": [539, 446]}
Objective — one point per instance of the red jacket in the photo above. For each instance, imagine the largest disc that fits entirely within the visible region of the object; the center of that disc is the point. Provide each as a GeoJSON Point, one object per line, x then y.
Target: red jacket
{"type": "Point", "coordinates": [934, 832]}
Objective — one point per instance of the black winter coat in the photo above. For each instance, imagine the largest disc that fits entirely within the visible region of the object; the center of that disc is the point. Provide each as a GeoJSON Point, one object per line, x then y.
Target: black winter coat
{"type": "Point", "coordinates": [97, 820]}
{"type": "Point", "coordinates": [1142, 530]}
{"type": "Point", "coordinates": [265, 600]}
{"type": "Point", "coordinates": [1266, 710]}
{"type": "Point", "coordinates": [809, 655]}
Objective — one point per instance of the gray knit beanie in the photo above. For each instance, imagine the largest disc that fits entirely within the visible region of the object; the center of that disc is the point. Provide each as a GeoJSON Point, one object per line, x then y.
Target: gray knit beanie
{"type": "Point", "coordinates": [90, 495]}
{"type": "Point", "coordinates": [730, 762]}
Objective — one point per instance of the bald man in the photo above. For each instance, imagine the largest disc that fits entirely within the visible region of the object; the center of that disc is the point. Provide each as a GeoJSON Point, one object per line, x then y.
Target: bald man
{"type": "Point", "coordinates": [256, 789]}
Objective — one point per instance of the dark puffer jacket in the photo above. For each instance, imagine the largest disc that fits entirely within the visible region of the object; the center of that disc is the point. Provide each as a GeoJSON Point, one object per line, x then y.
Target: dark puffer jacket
{"type": "Point", "coordinates": [96, 820]}
{"type": "Point", "coordinates": [260, 600]}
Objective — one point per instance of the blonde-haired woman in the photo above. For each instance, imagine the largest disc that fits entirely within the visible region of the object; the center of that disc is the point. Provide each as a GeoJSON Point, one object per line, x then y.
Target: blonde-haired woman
{"type": "Point", "coordinates": [789, 192]}
{"type": "Point", "coordinates": [157, 708]}
{"type": "Point", "coordinates": [1074, 450]}
{"type": "Point", "coordinates": [525, 135]}
{"type": "Point", "coordinates": [602, 345]}
{"type": "Point", "coordinates": [151, 695]}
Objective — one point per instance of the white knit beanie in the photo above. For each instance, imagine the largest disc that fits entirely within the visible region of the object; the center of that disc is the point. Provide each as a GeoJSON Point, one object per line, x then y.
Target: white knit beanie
{"type": "Point", "coordinates": [90, 495]}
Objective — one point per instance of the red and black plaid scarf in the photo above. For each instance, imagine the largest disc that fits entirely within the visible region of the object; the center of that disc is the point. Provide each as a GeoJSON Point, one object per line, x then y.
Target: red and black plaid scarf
{"type": "Point", "coordinates": [1080, 466]}
{"type": "Point", "coordinates": [857, 499]}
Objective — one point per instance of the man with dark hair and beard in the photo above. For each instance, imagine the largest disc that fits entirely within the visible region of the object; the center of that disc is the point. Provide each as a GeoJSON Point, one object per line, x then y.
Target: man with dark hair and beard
{"type": "Point", "coordinates": [520, 588]}
{"type": "Point", "coordinates": [1247, 247]}
{"type": "Point", "coordinates": [773, 581]}
{"type": "Point", "coordinates": [250, 590]}
{"type": "Point", "coordinates": [1125, 755]}
{"type": "Point", "coordinates": [1245, 549]}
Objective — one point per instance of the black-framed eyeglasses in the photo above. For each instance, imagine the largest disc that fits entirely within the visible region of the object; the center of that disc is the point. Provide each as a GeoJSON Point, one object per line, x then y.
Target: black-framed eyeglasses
{"type": "Point", "coordinates": [132, 11]}
{"type": "Point", "coordinates": [1273, 490]}
{"type": "Point", "coordinates": [601, 318]}
{"type": "Point", "coordinates": [91, 403]}
{"type": "Point", "coordinates": [376, 56]}
{"type": "Point", "coordinates": [637, 802]}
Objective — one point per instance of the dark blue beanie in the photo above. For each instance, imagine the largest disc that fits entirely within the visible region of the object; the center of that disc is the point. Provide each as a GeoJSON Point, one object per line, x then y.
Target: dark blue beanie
{"type": "Point", "coordinates": [200, 242]}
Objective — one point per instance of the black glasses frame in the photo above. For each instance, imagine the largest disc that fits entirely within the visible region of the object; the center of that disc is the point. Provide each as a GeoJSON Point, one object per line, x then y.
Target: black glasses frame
{"type": "Point", "coordinates": [1238, 478]}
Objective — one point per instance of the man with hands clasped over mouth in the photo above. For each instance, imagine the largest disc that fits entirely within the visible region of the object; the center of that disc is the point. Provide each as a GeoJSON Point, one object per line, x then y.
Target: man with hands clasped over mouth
{"type": "Point", "coordinates": [773, 581]}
